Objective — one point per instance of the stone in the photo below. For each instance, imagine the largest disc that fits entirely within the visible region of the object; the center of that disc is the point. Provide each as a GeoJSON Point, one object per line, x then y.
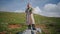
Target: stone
{"type": "Point", "coordinates": [27, 32]}
{"type": "Point", "coordinates": [32, 31]}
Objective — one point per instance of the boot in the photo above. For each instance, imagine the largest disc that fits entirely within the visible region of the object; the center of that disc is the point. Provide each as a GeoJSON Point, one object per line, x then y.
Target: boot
{"type": "Point", "coordinates": [29, 26]}
{"type": "Point", "coordinates": [33, 27]}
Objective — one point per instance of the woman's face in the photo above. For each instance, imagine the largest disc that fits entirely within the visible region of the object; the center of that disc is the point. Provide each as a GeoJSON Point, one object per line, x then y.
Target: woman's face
{"type": "Point", "coordinates": [29, 5]}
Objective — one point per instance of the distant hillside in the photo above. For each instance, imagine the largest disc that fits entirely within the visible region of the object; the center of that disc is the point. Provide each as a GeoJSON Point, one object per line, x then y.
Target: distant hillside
{"type": "Point", "coordinates": [20, 18]}
{"type": "Point", "coordinates": [52, 23]}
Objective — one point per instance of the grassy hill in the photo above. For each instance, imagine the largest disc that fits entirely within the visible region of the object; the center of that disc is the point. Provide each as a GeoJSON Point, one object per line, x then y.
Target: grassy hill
{"type": "Point", "coordinates": [6, 18]}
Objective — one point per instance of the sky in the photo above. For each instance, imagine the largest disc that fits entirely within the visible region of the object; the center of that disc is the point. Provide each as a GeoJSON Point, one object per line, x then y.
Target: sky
{"type": "Point", "coordinates": [50, 8]}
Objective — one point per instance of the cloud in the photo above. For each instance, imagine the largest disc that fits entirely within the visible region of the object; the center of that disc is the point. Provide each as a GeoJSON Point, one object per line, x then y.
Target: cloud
{"type": "Point", "coordinates": [19, 11]}
{"type": "Point", "coordinates": [52, 10]}
{"type": "Point", "coordinates": [49, 10]}
{"type": "Point", "coordinates": [37, 10]}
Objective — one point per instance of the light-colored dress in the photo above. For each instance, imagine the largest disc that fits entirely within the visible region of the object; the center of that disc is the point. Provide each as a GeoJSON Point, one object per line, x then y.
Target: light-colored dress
{"type": "Point", "coordinates": [29, 18]}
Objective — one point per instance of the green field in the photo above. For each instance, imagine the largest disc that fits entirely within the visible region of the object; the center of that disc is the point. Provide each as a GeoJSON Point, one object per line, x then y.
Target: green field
{"type": "Point", "coordinates": [7, 18]}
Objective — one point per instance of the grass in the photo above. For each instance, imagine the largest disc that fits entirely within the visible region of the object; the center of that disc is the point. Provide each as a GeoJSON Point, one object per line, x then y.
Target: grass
{"type": "Point", "coordinates": [6, 18]}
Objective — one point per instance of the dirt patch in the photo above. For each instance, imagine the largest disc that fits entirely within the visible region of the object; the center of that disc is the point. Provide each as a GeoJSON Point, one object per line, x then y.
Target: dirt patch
{"type": "Point", "coordinates": [14, 26]}
{"type": "Point", "coordinates": [43, 27]}
{"type": "Point", "coordinates": [4, 32]}
{"type": "Point", "coordinates": [40, 26]}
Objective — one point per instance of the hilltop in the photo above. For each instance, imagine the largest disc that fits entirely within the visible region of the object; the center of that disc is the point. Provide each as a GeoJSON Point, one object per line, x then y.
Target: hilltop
{"type": "Point", "coordinates": [51, 23]}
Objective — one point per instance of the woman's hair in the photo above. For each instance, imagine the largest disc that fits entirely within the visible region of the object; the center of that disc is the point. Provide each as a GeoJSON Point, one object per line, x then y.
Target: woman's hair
{"type": "Point", "coordinates": [28, 5]}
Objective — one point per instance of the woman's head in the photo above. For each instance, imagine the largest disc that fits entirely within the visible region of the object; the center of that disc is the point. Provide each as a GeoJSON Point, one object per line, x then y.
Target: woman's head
{"type": "Point", "coordinates": [28, 5]}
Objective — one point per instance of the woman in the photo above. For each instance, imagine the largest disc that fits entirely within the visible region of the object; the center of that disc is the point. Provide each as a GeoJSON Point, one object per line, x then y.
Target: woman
{"type": "Point", "coordinates": [29, 16]}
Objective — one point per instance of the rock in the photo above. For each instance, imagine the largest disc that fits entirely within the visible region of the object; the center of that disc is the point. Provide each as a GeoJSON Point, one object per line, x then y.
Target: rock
{"type": "Point", "coordinates": [32, 31]}
{"type": "Point", "coordinates": [39, 30]}
{"type": "Point", "coordinates": [27, 31]}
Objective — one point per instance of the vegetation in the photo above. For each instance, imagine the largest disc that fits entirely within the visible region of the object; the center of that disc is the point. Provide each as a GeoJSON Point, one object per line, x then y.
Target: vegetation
{"type": "Point", "coordinates": [6, 18]}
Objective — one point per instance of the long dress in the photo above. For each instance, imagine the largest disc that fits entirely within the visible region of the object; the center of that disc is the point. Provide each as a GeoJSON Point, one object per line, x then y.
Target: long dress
{"type": "Point", "coordinates": [29, 17]}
